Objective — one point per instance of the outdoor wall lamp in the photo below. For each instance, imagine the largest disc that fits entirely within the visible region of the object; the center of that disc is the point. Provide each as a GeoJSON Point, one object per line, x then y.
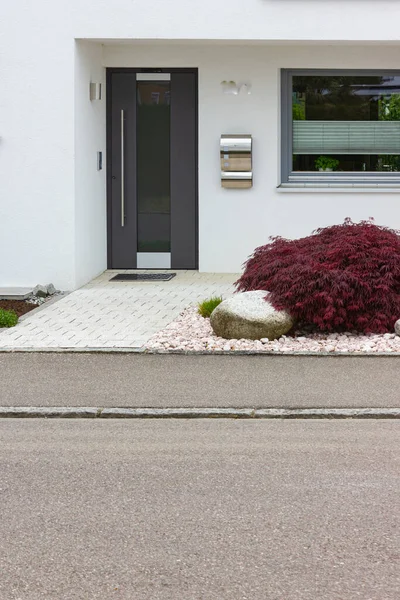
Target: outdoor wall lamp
{"type": "Point", "coordinates": [95, 91]}
{"type": "Point", "coordinates": [233, 88]}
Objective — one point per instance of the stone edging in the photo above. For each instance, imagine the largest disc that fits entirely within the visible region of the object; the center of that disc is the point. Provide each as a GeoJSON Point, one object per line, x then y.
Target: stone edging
{"type": "Point", "coordinates": [197, 413]}
{"type": "Point", "coordinates": [266, 353]}
{"type": "Point", "coordinates": [48, 349]}
{"type": "Point", "coordinates": [143, 350]}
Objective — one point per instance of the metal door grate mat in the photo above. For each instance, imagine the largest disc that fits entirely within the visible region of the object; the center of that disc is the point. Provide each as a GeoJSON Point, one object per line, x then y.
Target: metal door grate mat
{"type": "Point", "coordinates": [143, 277]}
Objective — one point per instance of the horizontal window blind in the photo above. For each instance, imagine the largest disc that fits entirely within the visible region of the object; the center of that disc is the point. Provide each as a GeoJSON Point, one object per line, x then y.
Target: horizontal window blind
{"type": "Point", "coordinates": [346, 137]}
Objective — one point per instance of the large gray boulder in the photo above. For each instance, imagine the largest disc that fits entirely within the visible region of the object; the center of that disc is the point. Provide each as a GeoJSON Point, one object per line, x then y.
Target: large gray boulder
{"type": "Point", "coordinates": [249, 316]}
{"type": "Point", "coordinates": [397, 327]}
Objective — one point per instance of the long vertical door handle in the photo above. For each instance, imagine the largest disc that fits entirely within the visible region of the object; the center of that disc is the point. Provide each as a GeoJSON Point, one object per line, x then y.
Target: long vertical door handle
{"type": "Point", "coordinates": [122, 171]}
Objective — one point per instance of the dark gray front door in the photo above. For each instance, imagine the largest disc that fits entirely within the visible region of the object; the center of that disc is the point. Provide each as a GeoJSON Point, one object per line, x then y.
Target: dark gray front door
{"type": "Point", "coordinates": [152, 170]}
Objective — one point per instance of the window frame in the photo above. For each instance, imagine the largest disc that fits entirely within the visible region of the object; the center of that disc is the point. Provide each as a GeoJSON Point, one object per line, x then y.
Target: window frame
{"type": "Point", "coordinates": [290, 178]}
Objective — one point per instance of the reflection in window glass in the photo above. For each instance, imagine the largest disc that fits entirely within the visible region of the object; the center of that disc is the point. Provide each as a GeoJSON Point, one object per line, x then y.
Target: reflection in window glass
{"type": "Point", "coordinates": [153, 166]}
{"type": "Point", "coordinates": [346, 123]}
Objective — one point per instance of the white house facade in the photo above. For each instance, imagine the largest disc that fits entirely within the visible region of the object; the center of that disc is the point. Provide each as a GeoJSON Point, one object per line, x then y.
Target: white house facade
{"type": "Point", "coordinates": [111, 117]}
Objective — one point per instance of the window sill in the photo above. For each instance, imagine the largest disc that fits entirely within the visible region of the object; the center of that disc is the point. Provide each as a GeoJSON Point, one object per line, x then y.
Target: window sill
{"type": "Point", "coordinates": [335, 188]}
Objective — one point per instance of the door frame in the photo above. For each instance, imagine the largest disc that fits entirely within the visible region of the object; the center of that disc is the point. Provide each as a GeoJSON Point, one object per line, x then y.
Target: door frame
{"type": "Point", "coordinates": [109, 72]}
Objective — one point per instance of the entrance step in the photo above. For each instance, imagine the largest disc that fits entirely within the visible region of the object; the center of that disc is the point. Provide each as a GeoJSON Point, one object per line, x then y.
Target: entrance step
{"type": "Point", "coordinates": [15, 293]}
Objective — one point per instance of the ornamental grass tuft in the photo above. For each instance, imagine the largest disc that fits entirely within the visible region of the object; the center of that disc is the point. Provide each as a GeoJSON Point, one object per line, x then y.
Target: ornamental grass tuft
{"type": "Point", "coordinates": [206, 307]}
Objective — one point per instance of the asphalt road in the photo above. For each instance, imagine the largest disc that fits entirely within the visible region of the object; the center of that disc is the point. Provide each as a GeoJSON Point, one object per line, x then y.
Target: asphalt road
{"type": "Point", "coordinates": [199, 510]}
{"type": "Point", "coordinates": [131, 380]}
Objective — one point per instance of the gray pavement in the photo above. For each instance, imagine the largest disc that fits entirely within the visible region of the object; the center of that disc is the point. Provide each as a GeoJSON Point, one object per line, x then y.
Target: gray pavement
{"type": "Point", "coordinates": [130, 380]}
{"type": "Point", "coordinates": [199, 510]}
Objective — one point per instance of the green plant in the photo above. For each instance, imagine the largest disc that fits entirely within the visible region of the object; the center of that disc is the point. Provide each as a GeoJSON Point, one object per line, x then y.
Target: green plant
{"type": "Point", "coordinates": [298, 112]}
{"type": "Point", "coordinates": [389, 108]}
{"type": "Point", "coordinates": [326, 162]}
{"type": "Point", "coordinates": [388, 162]}
{"type": "Point", "coordinates": [207, 306]}
{"type": "Point", "coordinates": [8, 318]}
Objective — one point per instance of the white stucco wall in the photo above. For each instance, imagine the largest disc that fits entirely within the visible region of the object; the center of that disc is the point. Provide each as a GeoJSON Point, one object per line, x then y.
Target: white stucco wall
{"type": "Point", "coordinates": [236, 19]}
{"type": "Point", "coordinates": [233, 222]}
{"type": "Point", "coordinates": [36, 147]}
{"type": "Point", "coordinates": [52, 199]}
{"type": "Point", "coordinates": [90, 184]}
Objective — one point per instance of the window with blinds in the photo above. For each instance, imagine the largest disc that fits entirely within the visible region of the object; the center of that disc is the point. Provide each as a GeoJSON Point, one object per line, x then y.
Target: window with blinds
{"type": "Point", "coordinates": [341, 124]}
{"type": "Point", "coordinates": [346, 137]}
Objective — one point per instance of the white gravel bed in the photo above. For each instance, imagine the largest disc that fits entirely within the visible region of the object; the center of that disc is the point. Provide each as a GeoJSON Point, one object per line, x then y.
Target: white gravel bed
{"type": "Point", "coordinates": [37, 301]}
{"type": "Point", "coordinates": [192, 333]}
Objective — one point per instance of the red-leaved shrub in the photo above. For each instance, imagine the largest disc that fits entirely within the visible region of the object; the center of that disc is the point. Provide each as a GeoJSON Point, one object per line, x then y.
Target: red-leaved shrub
{"type": "Point", "coordinates": [343, 278]}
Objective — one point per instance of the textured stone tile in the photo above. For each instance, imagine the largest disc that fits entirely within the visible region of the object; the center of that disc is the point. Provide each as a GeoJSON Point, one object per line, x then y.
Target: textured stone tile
{"type": "Point", "coordinates": [106, 314]}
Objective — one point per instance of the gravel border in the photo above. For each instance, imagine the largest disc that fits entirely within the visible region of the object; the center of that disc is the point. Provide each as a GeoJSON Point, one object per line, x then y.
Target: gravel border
{"type": "Point", "coordinates": [197, 413]}
{"type": "Point", "coordinates": [190, 333]}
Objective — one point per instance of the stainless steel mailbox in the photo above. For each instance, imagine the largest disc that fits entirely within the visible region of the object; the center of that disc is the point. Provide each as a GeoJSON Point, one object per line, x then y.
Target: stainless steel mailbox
{"type": "Point", "coordinates": [236, 161]}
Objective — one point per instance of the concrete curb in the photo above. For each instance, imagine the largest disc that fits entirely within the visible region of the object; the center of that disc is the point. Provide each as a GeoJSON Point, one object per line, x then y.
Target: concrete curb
{"type": "Point", "coordinates": [197, 413]}
{"type": "Point", "coordinates": [48, 412]}
{"type": "Point", "coordinates": [177, 413]}
{"type": "Point", "coordinates": [144, 350]}
{"type": "Point", "coordinates": [60, 350]}
{"type": "Point", "coordinates": [265, 353]}
{"type": "Point", "coordinates": [327, 413]}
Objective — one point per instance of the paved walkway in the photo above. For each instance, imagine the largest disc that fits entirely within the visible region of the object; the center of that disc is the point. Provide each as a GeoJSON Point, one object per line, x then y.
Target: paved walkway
{"type": "Point", "coordinates": [114, 314]}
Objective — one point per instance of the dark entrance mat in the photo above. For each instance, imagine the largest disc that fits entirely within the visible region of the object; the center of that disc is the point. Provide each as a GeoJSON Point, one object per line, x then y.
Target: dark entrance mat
{"type": "Point", "coordinates": [143, 277]}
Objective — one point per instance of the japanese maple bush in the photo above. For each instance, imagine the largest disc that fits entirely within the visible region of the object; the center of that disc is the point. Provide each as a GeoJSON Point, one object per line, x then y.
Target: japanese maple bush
{"type": "Point", "coordinates": [340, 278]}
